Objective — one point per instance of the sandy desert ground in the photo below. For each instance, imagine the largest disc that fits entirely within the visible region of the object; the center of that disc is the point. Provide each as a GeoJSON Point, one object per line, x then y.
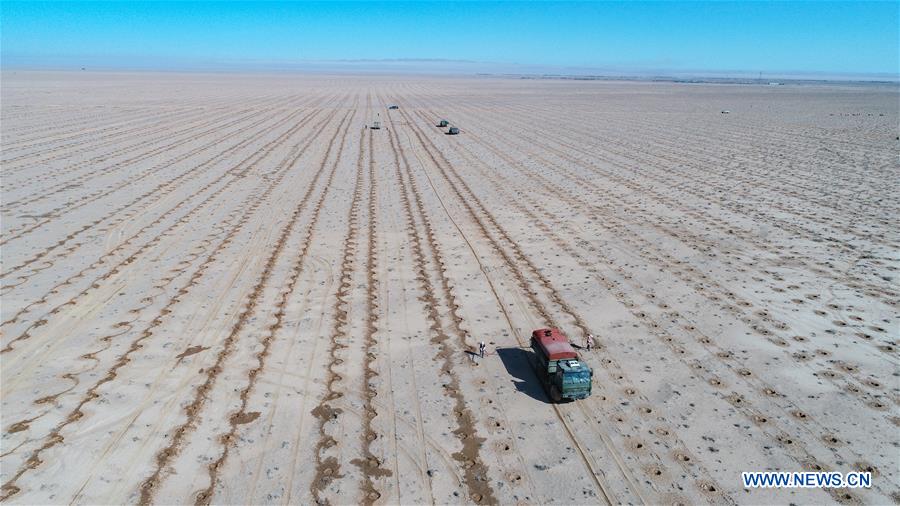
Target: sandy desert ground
{"type": "Point", "coordinates": [223, 288]}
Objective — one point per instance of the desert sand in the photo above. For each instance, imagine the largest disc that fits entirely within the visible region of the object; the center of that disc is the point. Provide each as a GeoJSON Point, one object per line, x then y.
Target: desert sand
{"type": "Point", "coordinates": [226, 289]}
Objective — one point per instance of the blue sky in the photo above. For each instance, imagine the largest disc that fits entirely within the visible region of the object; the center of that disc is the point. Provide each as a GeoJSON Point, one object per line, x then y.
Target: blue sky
{"type": "Point", "coordinates": [831, 37]}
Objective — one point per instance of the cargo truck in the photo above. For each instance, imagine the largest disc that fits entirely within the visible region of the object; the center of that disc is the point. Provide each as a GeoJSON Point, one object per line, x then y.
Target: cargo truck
{"type": "Point", "coordinates": [564, 376]}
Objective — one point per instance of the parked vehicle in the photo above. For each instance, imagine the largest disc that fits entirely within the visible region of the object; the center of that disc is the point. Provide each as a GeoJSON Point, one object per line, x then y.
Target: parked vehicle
{"type": "Point", "coordinates": [564, 376]}
{"type": "Point", "coordinates": [442, 123]}
{"type": "Point", "coordinates": [453, 131]}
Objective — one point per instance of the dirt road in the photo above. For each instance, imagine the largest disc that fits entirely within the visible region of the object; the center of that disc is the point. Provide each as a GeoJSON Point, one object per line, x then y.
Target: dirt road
{"type": "Point", "coordinates": [228, 289]}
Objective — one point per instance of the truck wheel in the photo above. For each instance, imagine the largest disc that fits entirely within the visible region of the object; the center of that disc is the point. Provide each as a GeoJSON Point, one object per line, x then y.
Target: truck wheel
{"type": "Point", "coordinates": [554, 394]}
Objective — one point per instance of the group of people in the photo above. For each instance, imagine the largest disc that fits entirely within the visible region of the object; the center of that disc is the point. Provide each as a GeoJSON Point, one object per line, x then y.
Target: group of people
{"type": "Point", "coordinates": [589, 342]}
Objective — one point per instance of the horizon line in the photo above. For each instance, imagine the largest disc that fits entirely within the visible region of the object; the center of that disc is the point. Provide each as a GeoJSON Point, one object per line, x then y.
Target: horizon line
{"type": "Point", "coordinates": [429, 65]}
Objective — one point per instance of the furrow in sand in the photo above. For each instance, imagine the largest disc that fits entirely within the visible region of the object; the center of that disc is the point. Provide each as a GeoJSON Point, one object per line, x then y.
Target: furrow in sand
{"type": "Point", "coordinates": [235, 173]}
{"type": "Point", "coordinates": [115, 124]}
{"type": "Point", "coordinates": [57, 212]}
{"type": "Point", "coordinates": [327, 467]}
{"type": "Point", "coordinates": [111, 136]}
{"type": "Point", "coordinates": [205, 496]}
{"type": "Point", "coordinates": [475, 471]}
{"type": "Point", "coordinates": [237, 219]}
{"type": "Point", "coordinates": [176, 183]}
{"type": "Point", "coordinates": [192, 410]}
{"type": "Point", "coordinates": [189, 133]}
{"type": "Point", "coordinates": [37, 356]}
{"type": "Point", "coordinates": [371, 466]}
{"type": "Point", "coordinates": [537, 305]}
{"type": "Point", "coordinates": [70, 177]}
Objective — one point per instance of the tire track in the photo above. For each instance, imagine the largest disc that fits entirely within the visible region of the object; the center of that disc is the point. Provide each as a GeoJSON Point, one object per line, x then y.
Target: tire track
{"type": "Point", "coordinates": [83, 201]}
{"type": "Point", "coordinates": [205, 496]}
{"type": "Point", "coordinates": [469, 458]}
{"type": "Point", "coordinates": [236, 221]}
{"type": "Point", "coordinates": [235, 171]}
{"type": "Point", "coordinates": [204, 123]}
{"type": "Point", "coordinates": [419, 457]}
{"type": "Point", "coordinates": [802, 456]}
{"type": "Point", "coordinates": [193, 409]}
{"type": "Point", "coordinates": [158, 124]}
{"type": "Point", "coordinates": [511, 264]}
{"type": "Point", "coordinates": [145, 302]}
{"type": "Point", "coordinates": [157, 195]}
{"type": "Point", "coordinates": [370, 465]}
{"type": "Point", "coordinates": [328, 468]}
{"type": "Point", "coordinates": [70, 178]}
{"type": "Point", "coordinates": [725, 227]}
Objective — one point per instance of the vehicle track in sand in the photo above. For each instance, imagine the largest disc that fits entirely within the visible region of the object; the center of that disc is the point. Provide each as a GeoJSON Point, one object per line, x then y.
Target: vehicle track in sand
{"type": "Point", "coordinates": [237, 219]}
{"type": "Point", "coordinates": [327, 467]}
{"type": "Point", "coordinates": [193, 409]}
{"type": "Point", "coordinates": [429, 300]}
{"type": "Point", "coordinates": [802, 456]}
{"type": "Point", "coordinates": [370, 465]}
{"type": "Point", "coordinates": [474, 469]}
{"type": "Point", "coordinates": [70, 178]}
{"type": "Point", "coordinates": [47, 218]}
{"type": "Point", "coordinates": [60, 154]}
{"type": "Point", "coordinates": [658, 328]}
{"type": "Point", "coordinates": [196, 171]}
{"type": "Point", "coordinates": [242, 415]}
{"type": "Point", "coordinates": [237, 172]}
{"type": "Point", "coordinates": [659, 175]}
{"type": "Point", "coordinates": [537, 305]}
{"type": "Point", "coordinates": [124, 327]}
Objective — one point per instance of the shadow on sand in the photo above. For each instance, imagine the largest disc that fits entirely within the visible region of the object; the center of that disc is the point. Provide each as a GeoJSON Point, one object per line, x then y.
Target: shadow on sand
{"type": "Point", "coordinates": [518, 364]}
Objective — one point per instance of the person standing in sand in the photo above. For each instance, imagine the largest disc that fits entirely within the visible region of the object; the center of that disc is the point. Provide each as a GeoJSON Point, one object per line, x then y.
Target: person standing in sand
{"type": "Point", "coordinates": [589, 342]}
{"type": "Point", "coordinates": [481, 347]}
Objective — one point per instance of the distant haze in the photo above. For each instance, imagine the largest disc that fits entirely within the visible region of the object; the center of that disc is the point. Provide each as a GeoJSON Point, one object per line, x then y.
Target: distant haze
{"type": "Point", "coordinates": [851, 40]}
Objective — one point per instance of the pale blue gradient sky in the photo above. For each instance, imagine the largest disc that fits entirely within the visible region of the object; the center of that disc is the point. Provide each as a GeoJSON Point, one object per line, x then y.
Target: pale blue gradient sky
{"type": "Point", "coordinates": [831, 37]}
